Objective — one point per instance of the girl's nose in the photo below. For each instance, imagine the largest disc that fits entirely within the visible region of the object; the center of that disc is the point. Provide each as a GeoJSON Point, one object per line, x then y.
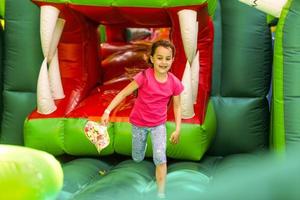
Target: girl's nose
{"type": "Point", "coordinates": [165, 61]}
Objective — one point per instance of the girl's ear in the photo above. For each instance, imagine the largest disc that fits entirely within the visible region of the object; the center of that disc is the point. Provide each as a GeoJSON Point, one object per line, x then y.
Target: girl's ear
{"type": "Point", "coordinates": [151, 59]}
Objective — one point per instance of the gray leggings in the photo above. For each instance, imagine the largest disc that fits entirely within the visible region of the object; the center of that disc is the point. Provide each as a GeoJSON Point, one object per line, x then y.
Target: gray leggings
{"type": "Point", "coordinates": [158, 138]}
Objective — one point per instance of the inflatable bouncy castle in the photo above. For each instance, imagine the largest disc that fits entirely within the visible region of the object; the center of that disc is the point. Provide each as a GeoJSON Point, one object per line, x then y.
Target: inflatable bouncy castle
{"type": "Point", "coordinates": [90, 73]}
{"type": "Point", "coordinates": [63, 62]}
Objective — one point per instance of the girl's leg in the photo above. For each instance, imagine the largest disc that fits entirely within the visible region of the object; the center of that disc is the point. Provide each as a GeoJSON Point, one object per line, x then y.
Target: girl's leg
{"type": "Point", "coordinates": [158, 138]}
{"type": "Point", "coordinates": [161, 173]}
{"type": "Point", "coordinates": [139, 143]}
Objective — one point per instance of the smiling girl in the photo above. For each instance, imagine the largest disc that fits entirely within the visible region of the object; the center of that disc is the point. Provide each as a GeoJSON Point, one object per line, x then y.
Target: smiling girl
{"type": "Point", "coordinates": [156, 86]}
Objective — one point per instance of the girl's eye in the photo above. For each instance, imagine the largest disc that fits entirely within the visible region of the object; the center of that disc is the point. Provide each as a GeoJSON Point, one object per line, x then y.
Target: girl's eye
{"type": "Point", "coordinates": [167, 59]}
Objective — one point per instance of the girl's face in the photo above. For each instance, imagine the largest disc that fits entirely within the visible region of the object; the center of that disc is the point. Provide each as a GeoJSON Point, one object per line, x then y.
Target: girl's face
{"type": "Point", "coordinates": [162, 59]}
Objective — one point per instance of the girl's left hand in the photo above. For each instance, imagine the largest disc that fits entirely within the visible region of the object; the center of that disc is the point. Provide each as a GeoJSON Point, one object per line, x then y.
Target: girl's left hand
{"type": "Point", "coordinates": [174, 139]}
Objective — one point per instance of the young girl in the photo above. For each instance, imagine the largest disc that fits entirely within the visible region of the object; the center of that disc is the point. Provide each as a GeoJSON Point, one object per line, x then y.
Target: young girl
{"type": "Point", "coordinates": [156, 85]}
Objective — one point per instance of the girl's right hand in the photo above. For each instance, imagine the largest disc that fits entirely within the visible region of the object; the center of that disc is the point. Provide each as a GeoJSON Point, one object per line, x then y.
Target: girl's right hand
{"type": "Point", "coordinates": [105, 119]}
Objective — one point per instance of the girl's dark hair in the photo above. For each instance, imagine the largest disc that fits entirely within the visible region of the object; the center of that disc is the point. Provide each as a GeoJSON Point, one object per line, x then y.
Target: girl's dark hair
{"type": "Point", "coordinates": [161, 43]}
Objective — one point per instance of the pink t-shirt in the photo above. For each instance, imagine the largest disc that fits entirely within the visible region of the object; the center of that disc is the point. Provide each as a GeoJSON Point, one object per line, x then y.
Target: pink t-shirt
{"type": "Point", "coordinates": [150, 107]}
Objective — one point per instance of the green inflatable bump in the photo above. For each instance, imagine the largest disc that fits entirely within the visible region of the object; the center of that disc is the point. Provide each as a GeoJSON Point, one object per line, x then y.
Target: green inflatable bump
{"type": "Point", "coordinates": [91, 171]}
{"type": "Point", "coordinates": [195, 139]}
{"type": "Point", "coordinates": [126, 181]}
{"type": "Point", "coordinates": [184, 179]}
{"type": "Point", "coordinates": [269, 177]}
{"type": "Point", "coordinates": [45, 134]}
{"type": "Point", "coordinates": [28, 174]}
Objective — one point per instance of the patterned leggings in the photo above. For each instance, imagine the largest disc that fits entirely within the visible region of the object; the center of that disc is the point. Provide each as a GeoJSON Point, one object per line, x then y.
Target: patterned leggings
{"type": "Point", "coordinates": [158, 138]}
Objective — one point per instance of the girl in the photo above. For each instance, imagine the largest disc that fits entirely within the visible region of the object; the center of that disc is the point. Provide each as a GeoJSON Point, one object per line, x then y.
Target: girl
{"type": "Point", "coordinates": [156, 85]}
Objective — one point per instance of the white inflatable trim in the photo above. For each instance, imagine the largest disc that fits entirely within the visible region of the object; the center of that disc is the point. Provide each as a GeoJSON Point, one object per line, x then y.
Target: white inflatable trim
{"type": "Point", "coordinates": [48, 18]}
{"type": "Point", "coordinates": [271, 7]}
{"type": "Point", "coordinates": [45, 102]}
{"type": "Point", "coordinates": [188, 23]}
{"type": "Point", "coordinates": [187, 106]}
{"type": "Point", "coordinates": [57, 90]}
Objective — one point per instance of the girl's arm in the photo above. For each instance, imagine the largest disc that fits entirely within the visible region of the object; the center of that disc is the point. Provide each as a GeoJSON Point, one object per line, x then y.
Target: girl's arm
{"type": "Point", "coordinates": [177, 112]}
{"type": "Point", "coordinates": [132, 86]}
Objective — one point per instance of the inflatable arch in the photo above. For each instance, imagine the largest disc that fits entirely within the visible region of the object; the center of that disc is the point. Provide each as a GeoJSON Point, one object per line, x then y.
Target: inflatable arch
{"type": "Point", "coordinates": [243, 61]}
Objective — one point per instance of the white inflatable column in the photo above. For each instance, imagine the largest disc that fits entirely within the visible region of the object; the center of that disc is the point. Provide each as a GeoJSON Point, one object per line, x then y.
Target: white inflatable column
{"type": "Point", "coordinates": [45, 101]}
{"type": "Point", "coordinates": [189, 33]}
